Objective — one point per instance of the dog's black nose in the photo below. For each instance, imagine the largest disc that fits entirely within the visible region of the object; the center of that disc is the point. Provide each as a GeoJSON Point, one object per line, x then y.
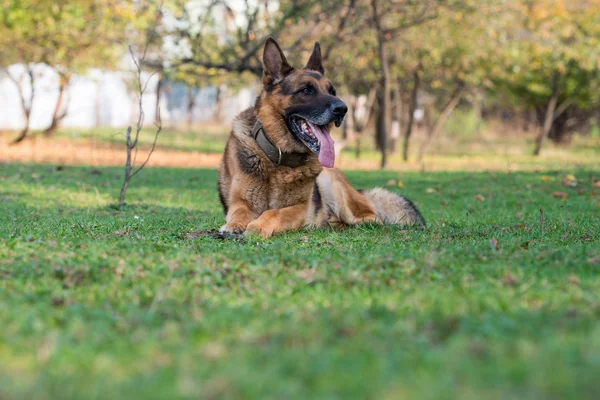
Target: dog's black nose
{"type": "Point", "coordinates": [339, 108]}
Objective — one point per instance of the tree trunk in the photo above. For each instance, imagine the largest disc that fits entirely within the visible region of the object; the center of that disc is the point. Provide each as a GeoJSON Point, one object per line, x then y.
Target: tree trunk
{"type": "Point", "coordinates": [159, 86]}
{"type": "Point", "coordinates": [384, 107]}
{"type": "Point", "coordinates": [190, 106]}
{"type": "Point", "coordinates": [411, 112]}
{"type": "Point", "coordinates": [396, 126]}
{"type": "Point", "coordinates": [478, 109]}
{"type": "Point", "coordinates": [379, 128]}
{"type": "Point", "coordinates": [437, 126]}
{"type": "Point", "coordinates": [384, 117]}
{"type": "Point", "coordinates": [26, 107]}
{"type": "Point", "coordinates": [219, 105]}
{"type": "Point", "coordinates": [547, 124]}
{"type": "Point", "coordinates": [57, 116]}
{"type": "Point", "coordinates": [23, 133]}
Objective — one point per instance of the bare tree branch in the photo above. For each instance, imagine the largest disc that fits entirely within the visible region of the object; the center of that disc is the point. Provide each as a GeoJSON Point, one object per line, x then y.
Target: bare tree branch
{"type": "Point", "coordinates": [133, 144]}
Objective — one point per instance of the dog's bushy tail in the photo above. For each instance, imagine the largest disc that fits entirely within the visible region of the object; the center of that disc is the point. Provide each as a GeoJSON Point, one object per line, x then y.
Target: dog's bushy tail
{"type": "Point", "coordinates": [392, 208]}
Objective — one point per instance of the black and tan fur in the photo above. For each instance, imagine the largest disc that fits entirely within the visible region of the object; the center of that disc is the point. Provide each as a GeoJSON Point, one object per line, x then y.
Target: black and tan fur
{"type": "Point", "coordinates": [261, 197]}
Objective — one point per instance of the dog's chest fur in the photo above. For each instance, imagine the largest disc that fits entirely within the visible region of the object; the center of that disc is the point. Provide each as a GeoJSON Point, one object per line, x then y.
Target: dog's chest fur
{"type": "Point", "coordinates": [266, 185]}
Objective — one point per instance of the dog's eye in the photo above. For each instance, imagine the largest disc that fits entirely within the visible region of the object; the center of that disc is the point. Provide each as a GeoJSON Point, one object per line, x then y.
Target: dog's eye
{"type": "Point", "coordinates": [332, 91]}
{"type": "Point", "coordinates": [308, 90]}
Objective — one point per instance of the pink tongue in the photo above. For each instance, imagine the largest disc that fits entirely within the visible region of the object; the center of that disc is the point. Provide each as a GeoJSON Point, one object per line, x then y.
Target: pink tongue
{"type": "Point", "coordinates": [327, 151]}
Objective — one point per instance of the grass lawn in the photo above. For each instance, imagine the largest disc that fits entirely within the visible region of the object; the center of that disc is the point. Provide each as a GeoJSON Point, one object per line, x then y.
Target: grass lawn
{"type": "Point", "coordinates": [486, 303]}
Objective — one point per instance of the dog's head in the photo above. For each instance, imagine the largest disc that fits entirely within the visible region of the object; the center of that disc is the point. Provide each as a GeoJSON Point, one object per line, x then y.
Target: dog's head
{"type": "Point", "coordinates": [298, 107]}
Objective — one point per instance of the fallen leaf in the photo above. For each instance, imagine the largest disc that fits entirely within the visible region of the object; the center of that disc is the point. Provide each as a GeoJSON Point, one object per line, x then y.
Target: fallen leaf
{"type": "Point", "coordinates": [580, 191]}
{"type": "Point", "coordinates": [478, 348]}
{"type": "Point", "coordinates": [569, 181]}
{"type": "Point", "coordinates": [480, 197]}
{"type": "Point", "coordinates": [509, 280]}
{"type": "Point", "coordinates": [573, 280]}
{"type": "Point", "coordinates": [57, 301]}
{"type": "Point", "coordinates": [547, 178]}
{"type": "Point", "coordinates": [430, 190]}
{"type": "Point", "coordinates": [596, 183]}
{"type": "Point", "coordinates": [518, 215]}
{"type": "Point", "coordinates": [401, 184]}
{"type": "Point", "coordinates": [560, 195]}
{"type": "Point", "coordinates": [391, 182]}
{"type": "Point", "coordinates": [494, 244]}
{"type": "Point", "coordinates": [571, 314]}
{"type": "Point", "coordinates": [303, 239]}
{"type": "Point", "coordinates": [213, 351]}
{"type": "Point", "coordinates": [119, 233]}
{"type": "Point", "coordinates": [308, 275]}
{"type": "Point", "coordinates": [525, 245]}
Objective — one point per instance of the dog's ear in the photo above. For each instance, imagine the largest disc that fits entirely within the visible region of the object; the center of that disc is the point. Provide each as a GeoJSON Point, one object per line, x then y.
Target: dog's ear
{"type": "Point", "coordinates": [275, 63]}
{"type": "Point", "coordinates": [314, 62]}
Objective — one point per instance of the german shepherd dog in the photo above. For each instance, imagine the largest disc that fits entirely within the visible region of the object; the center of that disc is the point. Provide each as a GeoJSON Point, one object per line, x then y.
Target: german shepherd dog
{"type": "Point", "coordinates": [277, 172]}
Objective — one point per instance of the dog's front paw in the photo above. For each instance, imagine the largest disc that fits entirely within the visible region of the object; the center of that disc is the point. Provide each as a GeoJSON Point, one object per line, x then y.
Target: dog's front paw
{"type": "Point", "coordinates": [235, 229]}
{"type": "Point", "coordinates": [259, 229]}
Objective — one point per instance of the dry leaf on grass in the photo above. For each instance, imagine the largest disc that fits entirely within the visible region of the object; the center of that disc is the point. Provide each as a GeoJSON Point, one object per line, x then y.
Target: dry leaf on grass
{"type": "Point", "coordinates": [509, 280]}
{"type": "Point", "coordinates": [430, 190]}
{"type": "Point", "coordinates": [569, 181]}
{"type": "Point", "coordinates": [547, 178]}
{"type": "Point", "coordinates": [560, 195]}
{"type": "Point", "coordinates": [307, 275]}
{"type": "Point", "coordinates": [391, 182]}
{"type": "Point", "coordinates": [400, 184]}
{"type": "Point", "coordinates": [480, 197]}
{"type": "Point", "coordinates": [573, 280]}
{"type": "Point", "coordinates": [494, 244]}
{"type": "Point", "coordinates": [594, 260]}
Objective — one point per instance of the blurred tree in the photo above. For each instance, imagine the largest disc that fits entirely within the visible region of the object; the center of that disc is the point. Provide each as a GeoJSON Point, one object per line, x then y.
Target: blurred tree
{"type": "Point", "coordinates": [229, 36]}
{"type": "Point", "coordinates": [67, 35]}
{"type": "Point", "coordinates": [550, 60]}
{"type": "Point", "coordinates": [444, 59]}
{"type": "Point", "coordinates": [195, 77]}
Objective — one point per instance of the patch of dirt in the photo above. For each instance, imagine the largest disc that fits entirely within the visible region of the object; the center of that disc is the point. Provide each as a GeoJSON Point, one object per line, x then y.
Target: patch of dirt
{"type": "Point", "coordinates": [88, 152]}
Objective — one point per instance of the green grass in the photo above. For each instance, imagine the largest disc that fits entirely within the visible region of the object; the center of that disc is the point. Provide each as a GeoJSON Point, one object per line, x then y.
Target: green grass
{"type": "Point", "coordinates": [100, 303]}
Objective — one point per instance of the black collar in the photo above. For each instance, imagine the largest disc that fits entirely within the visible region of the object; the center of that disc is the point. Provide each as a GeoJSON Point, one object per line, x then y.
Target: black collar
{"type": "Point", "coordinates": [274, 153]}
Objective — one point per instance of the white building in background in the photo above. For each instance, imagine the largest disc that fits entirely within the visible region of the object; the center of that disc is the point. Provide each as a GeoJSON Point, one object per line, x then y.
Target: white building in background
{"type": "Point", "coordinates": [102, 98]}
